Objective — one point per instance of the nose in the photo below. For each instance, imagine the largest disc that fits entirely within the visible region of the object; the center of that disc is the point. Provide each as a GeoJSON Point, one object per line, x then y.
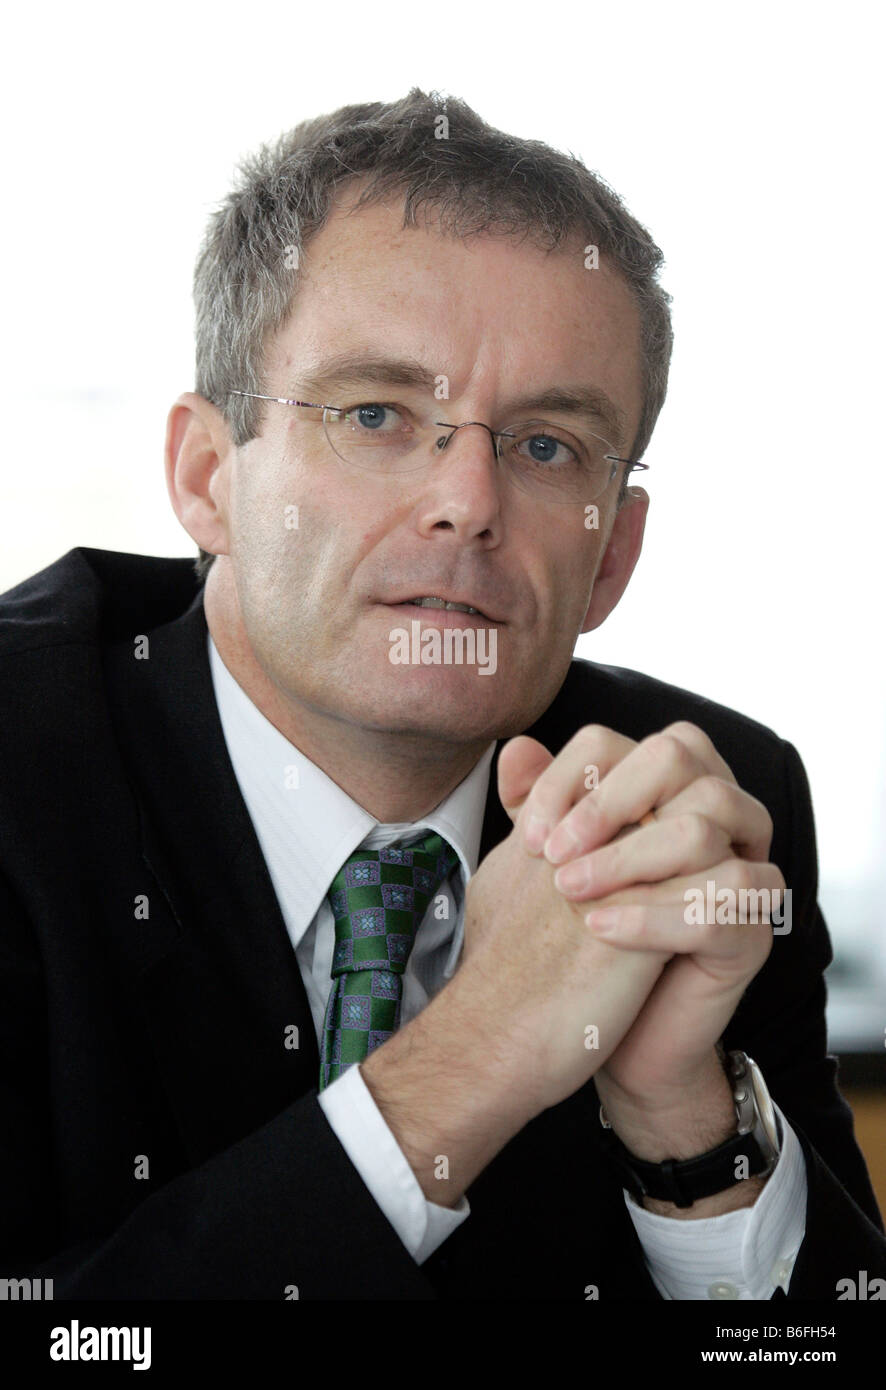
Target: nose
{"type": "Point", "coordinates": [462, 485]}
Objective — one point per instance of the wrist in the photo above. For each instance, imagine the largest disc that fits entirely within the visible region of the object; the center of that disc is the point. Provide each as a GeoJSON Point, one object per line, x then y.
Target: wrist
{"type": "Point", "coordinates": [675, 1125]}
{"type": "Point", "coordinates": [743, 1193]}
{"type": "Point", "coordinates": [444, 1094]}
{"type": "Point", "coordinates": [723, 1171]}
{"type": "Point", "coordinates": [677, 1122]}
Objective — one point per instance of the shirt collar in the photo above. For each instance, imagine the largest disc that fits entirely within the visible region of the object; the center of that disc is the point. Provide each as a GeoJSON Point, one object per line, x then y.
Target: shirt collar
{"type": "Point", "coordinates": [307, 825]}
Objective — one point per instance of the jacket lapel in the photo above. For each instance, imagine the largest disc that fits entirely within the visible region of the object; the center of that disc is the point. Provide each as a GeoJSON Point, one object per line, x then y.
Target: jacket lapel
{"type": "Point", "coordinates": [213, 973]}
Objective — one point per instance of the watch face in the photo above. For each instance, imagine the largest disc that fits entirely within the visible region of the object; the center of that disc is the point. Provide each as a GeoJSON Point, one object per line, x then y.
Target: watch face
{"type": "Point", "coordinates": [764, 1104]}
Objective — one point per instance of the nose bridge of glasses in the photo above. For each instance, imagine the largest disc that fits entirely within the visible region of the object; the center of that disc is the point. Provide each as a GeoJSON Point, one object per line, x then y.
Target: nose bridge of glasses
{"type": "Point", "coordinates": [444, 440]}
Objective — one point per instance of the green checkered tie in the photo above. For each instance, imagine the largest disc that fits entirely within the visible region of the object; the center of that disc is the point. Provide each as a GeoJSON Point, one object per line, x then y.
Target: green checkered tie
{"type": "Point", "coordinates": [378, 899]}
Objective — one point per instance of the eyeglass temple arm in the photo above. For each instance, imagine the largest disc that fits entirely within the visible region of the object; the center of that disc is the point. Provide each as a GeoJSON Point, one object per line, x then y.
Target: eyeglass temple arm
{"type": "Point", "coordinates": [282, 400]}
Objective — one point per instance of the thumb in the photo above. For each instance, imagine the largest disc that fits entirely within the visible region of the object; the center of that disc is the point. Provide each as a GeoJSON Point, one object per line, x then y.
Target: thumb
{"type": "Point", "coordinates": [520, 762]}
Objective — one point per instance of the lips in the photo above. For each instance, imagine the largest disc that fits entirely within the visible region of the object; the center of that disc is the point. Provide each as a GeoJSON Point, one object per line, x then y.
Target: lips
{"type": "Point", "coordinates": [443, 603]}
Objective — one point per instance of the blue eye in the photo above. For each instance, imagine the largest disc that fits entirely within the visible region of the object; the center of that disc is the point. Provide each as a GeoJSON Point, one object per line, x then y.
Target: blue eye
{"type": "Point", "coordinates": [371, 416]}
{"type": "Point", "coordinates": [542, 449]}
{"type": "Point", "coordinates": [374, 417]}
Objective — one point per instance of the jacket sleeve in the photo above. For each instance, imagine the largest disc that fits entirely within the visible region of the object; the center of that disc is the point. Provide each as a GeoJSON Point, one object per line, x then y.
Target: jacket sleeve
{"type": "Point", "coordinates": [781, 1023]}
{"type": "Point", "coordinates": [281, 1210]}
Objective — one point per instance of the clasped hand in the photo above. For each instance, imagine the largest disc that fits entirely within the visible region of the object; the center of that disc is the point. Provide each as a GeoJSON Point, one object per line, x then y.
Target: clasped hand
{"type": "Point", "coordinates": [581, 811]}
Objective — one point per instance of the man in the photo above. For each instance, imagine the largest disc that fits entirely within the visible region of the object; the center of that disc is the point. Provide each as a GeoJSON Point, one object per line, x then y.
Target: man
{"type": "Point", "coordinates": [309, 984]}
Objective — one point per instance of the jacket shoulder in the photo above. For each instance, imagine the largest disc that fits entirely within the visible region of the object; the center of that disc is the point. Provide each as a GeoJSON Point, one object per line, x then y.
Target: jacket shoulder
{"type": "Point", "coordinates": [638, 705]}
{"type": "Point", "coordinates": [91, 596]}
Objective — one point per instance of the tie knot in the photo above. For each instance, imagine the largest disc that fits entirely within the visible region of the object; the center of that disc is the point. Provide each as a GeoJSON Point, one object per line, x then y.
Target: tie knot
{"type": "Point", "coordinates": [378, 899]}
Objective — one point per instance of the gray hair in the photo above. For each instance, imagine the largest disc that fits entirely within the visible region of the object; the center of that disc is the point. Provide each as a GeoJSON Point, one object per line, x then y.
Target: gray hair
{"type": "Point", "coordinates": [477, 179]}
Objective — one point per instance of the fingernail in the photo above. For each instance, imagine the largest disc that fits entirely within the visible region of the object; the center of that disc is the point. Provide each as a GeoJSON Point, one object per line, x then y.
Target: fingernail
{"type": "Point", "coordinates": [603, 919]}
{"type": "Point", "coordinates": [572, 878]}
{"type": "Point", "coordinates": [561, 845]}
{"type": "Point", "coordinates": [537, 831]}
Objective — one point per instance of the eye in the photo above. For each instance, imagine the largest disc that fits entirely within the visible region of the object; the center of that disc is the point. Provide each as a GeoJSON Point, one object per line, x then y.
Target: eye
{"type": "Point", "coordinates": [374, 417]}
{"type": "Point", "coordinates": [545, 449]}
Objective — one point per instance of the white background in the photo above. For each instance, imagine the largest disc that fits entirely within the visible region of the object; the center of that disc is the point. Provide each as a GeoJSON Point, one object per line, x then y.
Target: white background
{"type": "Point", "coordinates": [747, 138]}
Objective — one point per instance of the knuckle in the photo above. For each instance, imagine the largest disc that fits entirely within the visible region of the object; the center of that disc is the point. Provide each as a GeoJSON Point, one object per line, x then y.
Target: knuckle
{"type": "Point", "coordinates": [608, 860]}
{"type": "Point", "coordinates": [694, 830]}
{"type": "Point", "coordinates": [738, 875]}
{"type": "Point", "coordinates": [665, 751]}
{"type": "Point", "coordinates": [686, 732]}
{"type": "Point", "coordinates": [697, 831]}
{"type": "Point", "coordinates": [591, 736]}
{"type": "Point", "coordinates": [588, 814]}
{"type": "Point", "coordinates": [716, 794]}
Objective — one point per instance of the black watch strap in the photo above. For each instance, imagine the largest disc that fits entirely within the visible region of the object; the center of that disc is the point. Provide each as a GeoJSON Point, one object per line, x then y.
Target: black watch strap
{"type": "Point", "coordinates": [684, 1182]}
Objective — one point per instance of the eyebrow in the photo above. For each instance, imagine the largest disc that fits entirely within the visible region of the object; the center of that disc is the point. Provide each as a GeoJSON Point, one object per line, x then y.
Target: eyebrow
{"type": "Point", "coordinates": [356, 368]}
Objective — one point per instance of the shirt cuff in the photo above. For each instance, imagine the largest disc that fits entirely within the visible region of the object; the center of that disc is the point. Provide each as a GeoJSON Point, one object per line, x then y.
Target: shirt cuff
{"type": "Point", "coordinates": [358, 1124]}
{"type": "Point", "coordinates": [743, 1254]}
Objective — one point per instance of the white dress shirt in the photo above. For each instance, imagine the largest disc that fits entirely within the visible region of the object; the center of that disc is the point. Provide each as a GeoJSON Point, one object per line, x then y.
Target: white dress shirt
{"type": "Point", "coordinates": [307, 826]}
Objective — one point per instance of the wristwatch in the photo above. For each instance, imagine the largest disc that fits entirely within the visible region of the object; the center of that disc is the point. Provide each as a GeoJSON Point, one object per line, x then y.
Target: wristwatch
{"type": "Point", "coordinates": [758, 1139]}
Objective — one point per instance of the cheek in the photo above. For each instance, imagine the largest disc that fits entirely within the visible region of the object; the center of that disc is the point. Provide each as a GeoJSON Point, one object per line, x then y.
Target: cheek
{"type": "Point", "coordinates": [573, 563]}
{"type": "Point", "coordinates": [270, 510]}
{"type": "Point", "coordinates": [296, 551]}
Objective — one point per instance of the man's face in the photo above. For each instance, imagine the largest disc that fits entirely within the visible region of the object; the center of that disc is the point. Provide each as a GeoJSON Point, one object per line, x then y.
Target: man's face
{"type": "Point", "coordinates": [318, 602]}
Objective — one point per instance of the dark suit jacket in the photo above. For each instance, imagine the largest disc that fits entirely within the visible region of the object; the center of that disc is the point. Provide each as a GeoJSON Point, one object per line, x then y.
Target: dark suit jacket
{"type": "Point", "coordinates": [164, 1037]}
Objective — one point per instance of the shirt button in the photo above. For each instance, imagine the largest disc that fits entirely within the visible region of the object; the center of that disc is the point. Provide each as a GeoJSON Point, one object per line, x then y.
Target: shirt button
{"type": "Point", "coordinates": [781, 1273]}
{"type": "Point", "coordinates": [722, 1291]}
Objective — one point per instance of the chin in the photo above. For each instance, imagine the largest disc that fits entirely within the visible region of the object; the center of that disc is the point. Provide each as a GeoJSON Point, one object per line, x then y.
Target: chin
{"type": "Point", "coordinates": [457, 711]}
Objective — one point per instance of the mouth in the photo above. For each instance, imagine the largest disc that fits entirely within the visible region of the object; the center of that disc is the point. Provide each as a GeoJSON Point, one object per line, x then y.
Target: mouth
{"type": "Point", "coordinates": [432, 604]}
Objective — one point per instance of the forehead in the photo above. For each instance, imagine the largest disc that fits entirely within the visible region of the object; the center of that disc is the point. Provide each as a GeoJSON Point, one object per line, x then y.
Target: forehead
{"type": "Point", "coordinates": [489, 310]}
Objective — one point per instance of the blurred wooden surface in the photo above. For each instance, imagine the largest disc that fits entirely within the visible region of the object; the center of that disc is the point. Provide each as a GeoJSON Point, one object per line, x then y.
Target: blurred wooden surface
{"type": "Point", "coordinates": [869, 1109]}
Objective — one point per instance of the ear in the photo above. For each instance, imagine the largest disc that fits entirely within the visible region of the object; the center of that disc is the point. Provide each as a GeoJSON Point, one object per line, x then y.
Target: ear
{"type": "Point", "coordinates": [619, 558]}
{"type": "Point", "coordinates": [197, 457]}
